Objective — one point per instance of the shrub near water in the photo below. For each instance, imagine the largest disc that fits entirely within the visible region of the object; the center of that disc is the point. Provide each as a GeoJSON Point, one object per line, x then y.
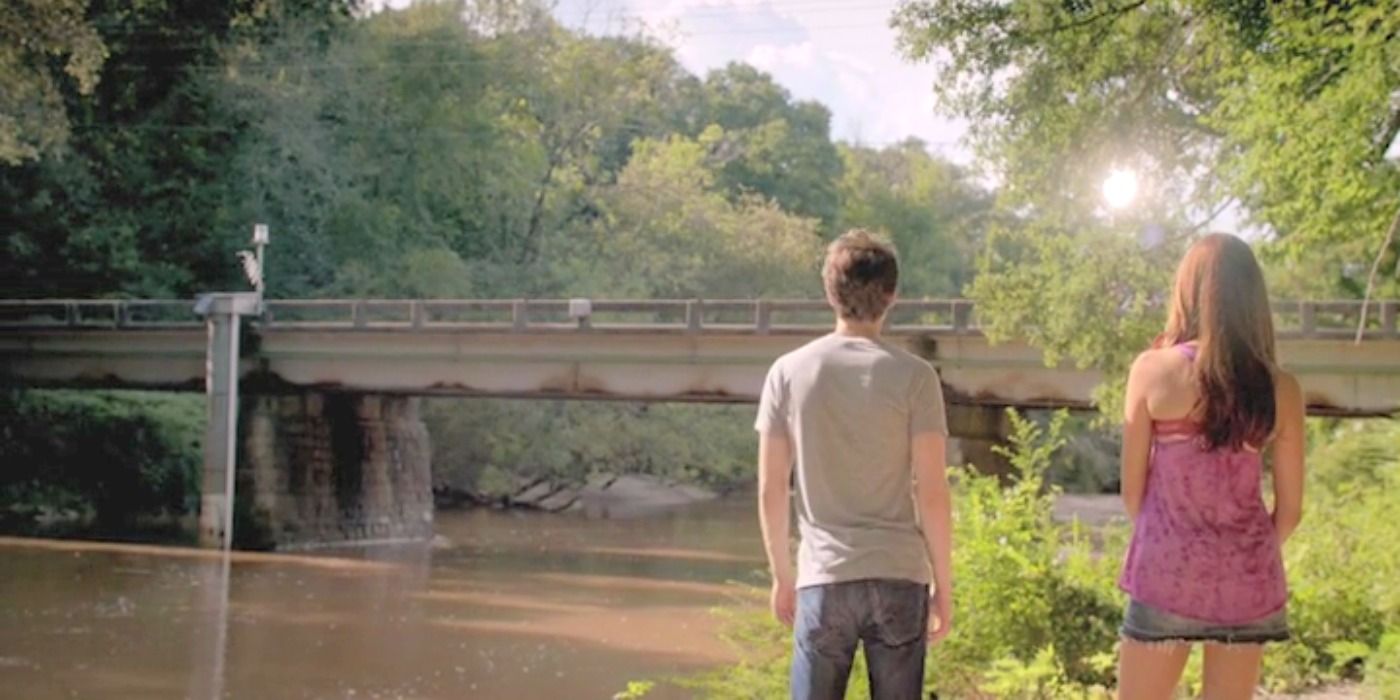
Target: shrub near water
{"type": "Point", "coordinates": [1036, 606]}
{"type": "Point", "coordinates": [111, 459]}
{"type": "Point", "coordinates": [1343, 563]}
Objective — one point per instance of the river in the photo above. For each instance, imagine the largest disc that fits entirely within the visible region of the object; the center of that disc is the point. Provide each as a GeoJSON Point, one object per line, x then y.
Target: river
{"type": "Point", "coordinates": [503, 605]}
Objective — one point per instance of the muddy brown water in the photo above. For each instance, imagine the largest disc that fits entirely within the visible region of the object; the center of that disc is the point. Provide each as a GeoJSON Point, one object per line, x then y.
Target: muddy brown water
{"type": "Point", "coordinates": [511, 605]}
{"type": "Point", "coordinates": [507, 605]}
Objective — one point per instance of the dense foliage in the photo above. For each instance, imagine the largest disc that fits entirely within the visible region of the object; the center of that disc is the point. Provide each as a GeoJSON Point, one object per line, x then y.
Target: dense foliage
{"type": "Point", "coordinates": [453, 150]}
{"type": "Point", "coordinates": [114, 460]}
{"type": "Point", "coordinates": [1038, 605]}
{"type": "Point", "coordinates": [1037, 609]}
{"type": "Point", "coordinates": [1343, 568]}
{"type": "Point", "coordinates": [494, 446]}
{"type": "Point", "coordinates": [1280, 112]}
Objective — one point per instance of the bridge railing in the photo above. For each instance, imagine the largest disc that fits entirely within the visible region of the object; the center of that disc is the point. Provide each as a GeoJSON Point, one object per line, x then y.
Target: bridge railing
{"type": "Point", "coordinates": [612, 315]}
{"type": "Point", "coordinates": [97, 313]}
{"type": "Point", "coordinates": [1293, 319]}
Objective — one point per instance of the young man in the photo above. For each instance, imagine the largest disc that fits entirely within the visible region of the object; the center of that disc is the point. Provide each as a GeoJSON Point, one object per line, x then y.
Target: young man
{"type": "Point", "coordinates": [863, 422]}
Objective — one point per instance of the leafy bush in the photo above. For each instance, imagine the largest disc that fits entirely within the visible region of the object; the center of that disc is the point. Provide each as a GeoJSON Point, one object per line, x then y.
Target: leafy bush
{"type": "Point", "coordinates": [1343, 567]}
{"type": "Point", "coordinates": [1037, 606]}
{"type": "Point", "coordinates": [108, 457]}
{"type": "Point", "coordinates": [1383, 669]}
{"type": "Point", "coordinates": [1033, 596]}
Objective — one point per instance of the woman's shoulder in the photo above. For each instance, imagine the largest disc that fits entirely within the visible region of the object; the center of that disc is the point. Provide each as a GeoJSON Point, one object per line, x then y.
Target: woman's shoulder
{"type": "Point", "coordinates": [1153, 362]}
{"type": "Point", "coordinates": [1286, 386]}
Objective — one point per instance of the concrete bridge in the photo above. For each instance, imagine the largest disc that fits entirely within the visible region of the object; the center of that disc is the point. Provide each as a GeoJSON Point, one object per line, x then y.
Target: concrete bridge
{"type": "Point", "coordinates": [331, 383]}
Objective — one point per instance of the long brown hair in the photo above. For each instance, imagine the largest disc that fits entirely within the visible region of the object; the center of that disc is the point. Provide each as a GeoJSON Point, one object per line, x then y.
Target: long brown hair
{"type": "Point", "coordinates": [1220, 302]}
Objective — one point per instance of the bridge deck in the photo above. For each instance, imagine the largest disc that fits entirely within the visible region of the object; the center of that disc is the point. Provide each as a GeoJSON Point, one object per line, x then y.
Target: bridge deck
{"type": "Point", "coordinates": [652, 350]}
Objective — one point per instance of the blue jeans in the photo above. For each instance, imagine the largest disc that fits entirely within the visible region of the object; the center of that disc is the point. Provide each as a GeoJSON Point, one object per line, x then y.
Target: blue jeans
{"type": "Point", "coordinates": [890, 617]}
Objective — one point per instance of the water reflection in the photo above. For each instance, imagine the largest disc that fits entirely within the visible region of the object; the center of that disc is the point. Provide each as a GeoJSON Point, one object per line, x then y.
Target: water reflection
{"type": "Point", "coordinates": [207, 664]}
{"type": "Point", "coordinates": [512, 606]}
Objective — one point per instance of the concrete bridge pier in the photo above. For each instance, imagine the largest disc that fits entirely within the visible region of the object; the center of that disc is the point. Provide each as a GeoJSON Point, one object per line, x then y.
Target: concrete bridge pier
{"type": "Point", "coordinates": [320, 468]}
{"type": "Point", "coordinates": [974, 430]}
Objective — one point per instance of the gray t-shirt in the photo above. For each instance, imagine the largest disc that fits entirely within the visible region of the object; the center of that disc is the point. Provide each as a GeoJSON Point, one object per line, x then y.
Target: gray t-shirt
{"type": "Point", "coordinates": [850, 406]}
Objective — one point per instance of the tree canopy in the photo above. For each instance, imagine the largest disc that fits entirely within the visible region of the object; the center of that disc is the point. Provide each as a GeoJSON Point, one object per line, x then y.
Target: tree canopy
{"type": "Point", "coordinates": [1278, 112]}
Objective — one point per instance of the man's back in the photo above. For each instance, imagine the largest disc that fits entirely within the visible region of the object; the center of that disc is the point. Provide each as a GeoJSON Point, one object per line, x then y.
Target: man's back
{"type": "Point", "coordinates": [851, 405]}
{"type": "Point", "coordinates": [862, 422]}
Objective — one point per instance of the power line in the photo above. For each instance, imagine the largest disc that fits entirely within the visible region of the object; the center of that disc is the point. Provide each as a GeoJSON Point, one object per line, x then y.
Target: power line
{"type": "Point", "coordinates": [166, 29]}
{"type": "Point", "coordinates": [617, 9]}
{"type": "Point", "coordinates": [750, 31]}
{"type": "Point", "coordinates": [479, 60]}
{"type": "Point", "coordinates": [769, 5]}
{"type": "Point", "coordinates": [364, 127]}
{"type": "Point", "coordinates": [712, 12]}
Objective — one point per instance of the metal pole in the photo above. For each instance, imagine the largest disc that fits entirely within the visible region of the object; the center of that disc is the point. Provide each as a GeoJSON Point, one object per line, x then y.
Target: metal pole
{"type": "Point", "coordinates": [222, 313]}
{"type": "Point", "coordinates": [216, 501]}
{"type": "Point", "coordinates": [231, 430]}
{"type": "Point", "coordinates": [211, 649]}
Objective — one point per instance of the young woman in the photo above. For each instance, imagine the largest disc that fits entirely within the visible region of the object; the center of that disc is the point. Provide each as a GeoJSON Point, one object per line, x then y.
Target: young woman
{"type": "Point", "coordinates": [1205, 564]}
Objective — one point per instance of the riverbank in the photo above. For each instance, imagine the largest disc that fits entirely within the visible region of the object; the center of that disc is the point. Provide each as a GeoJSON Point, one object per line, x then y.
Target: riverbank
{"type": "Point", "coordinates": [602, 496]}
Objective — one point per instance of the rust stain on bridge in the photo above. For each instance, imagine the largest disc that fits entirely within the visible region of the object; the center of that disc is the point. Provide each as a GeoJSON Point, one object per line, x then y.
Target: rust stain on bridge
{"type": "Point", "coordinates": [635, 362]}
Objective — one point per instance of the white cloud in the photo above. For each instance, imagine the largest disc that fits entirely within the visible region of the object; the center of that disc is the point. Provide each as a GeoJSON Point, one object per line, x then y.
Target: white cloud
{"type": "Point", "coordinates": [769, 57]}
{"type": "Point", "coordinates": [842, 55]}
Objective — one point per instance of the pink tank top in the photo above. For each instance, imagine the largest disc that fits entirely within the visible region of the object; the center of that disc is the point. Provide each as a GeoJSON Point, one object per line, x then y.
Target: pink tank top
{"type": "Point", "coordinates": [1204, 545]}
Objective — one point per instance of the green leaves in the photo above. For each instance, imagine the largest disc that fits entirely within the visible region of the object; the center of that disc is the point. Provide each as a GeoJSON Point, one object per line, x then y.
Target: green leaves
{"type": "Point", "coordinates": [933, 210]}
{"type": "Point", "coordinates": [33, 33]}
{"type": "Point", "coordinates": [668, 231]}
{"type": "Point", "coordinates": [774, 148]}
{"type": "Point", "coordinates": [115, 457]}
{"type": "Point", "coordinates": [1280, 109]}
{"type": "Point", "coordinates": [1305, 122]}
{"type": "Point", "coordinates": [1342, 569]}
{"type": "Point", "coordinates": [1089, 297]}
{"type": "Point", "coordinates": [1037, 606]}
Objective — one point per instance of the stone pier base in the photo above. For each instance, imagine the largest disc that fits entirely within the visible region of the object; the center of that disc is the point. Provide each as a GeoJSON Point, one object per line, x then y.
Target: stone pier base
{"type": "Point", "coordinates": [329, 468]}
{"type": "Point", "coordinates": [974, 431]}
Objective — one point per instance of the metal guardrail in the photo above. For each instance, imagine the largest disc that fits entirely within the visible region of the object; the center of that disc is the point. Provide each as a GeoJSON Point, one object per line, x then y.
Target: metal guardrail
{"type": "Point", "coordinates": [1293, 319]}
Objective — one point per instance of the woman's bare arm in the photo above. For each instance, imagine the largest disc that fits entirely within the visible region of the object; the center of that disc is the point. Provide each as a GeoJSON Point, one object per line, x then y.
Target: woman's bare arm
{"type": "Point", "coordinates": [1137, 436]}
{"type": "Point", "coordinates": [1288, 455]}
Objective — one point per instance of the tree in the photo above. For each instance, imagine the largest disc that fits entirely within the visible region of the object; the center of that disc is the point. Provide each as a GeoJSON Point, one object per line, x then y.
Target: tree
{"type": "Point", "coordinates": [377, 149]}
{"type": "Point", "coordinates": [668, 231]}
{"type": "Point", "coordinates": [33, 118]}
{"type": "Point", "coordinates": [1306, 117]}
{"type": "Point", "coordinates": [932, 210]}
{"type": "Point", "coordinates": [1277, 107]}
{"type": "Point", "coordinates": [125, 207]}
{"type": "Point", "coordinates": [773, 147]}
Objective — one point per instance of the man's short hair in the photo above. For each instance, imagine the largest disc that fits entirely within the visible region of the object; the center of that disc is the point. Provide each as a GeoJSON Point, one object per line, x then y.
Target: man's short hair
{"type": "Point", "coordinates": [860, 275]}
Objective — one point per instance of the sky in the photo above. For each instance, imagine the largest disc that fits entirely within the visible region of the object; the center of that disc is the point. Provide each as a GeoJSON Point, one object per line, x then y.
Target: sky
{"type": "Point", "coordinates": [838, 52]}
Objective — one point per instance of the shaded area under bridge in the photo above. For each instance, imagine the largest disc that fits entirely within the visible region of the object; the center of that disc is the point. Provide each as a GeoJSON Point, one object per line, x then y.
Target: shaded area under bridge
{"type": "Point", "coordinates": [330, 446]}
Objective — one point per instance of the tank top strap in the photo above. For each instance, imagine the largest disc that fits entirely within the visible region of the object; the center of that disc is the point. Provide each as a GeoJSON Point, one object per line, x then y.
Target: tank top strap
{"type": "Point", "coordinates": [1180, 426]}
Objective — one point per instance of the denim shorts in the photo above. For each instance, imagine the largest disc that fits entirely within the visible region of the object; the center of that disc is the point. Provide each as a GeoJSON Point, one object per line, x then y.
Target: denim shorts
{"type": "Point", "coordinates": [1144, 623]}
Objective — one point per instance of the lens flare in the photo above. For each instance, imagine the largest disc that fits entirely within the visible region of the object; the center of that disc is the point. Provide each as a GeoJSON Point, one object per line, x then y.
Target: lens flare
{"type": "Point", "coordinates": [1120, 189]}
